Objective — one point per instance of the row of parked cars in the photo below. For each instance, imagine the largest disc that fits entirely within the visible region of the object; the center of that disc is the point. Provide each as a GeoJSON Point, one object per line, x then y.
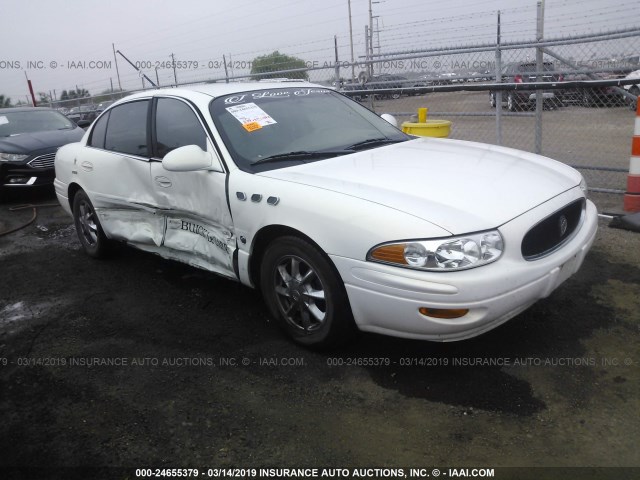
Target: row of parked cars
{"type": "Point", "coordinates": [378, 84]}
{"type": "Point", "coordinates": [526, 72]}
{"type": "Point", "coordinates": [83, 115]}
{"type": "Point", "coordinates": [395, 86]}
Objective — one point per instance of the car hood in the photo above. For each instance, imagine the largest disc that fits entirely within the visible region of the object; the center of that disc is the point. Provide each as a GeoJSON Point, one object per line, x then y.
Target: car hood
{"type": "Point", "coordinates": [460, 186]}
{"type": "Point", "coordinates": [34, 142]}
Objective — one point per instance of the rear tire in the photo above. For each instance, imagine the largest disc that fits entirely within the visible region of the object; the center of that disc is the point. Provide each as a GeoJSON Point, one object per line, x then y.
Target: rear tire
{"type": "Point", "coordinates": [305, 294]}
{"type": "Point", "coordinates": [90, 233]}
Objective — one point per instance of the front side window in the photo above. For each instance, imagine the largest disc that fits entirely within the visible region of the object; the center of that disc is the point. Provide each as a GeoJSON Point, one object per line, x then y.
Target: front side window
{"type": "Point", "coordinates": [277, 128]}
{"type": "Point", "coordinates": [177, 126]}
{"type": "Point", "coordinates": [127, 129]}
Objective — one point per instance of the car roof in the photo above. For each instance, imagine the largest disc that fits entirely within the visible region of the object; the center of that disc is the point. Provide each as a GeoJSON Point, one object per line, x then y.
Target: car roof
{"type": "Point", "coordinates": [214, 90]}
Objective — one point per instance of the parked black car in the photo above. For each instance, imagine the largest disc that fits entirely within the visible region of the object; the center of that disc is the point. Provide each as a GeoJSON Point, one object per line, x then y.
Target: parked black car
{"type": "Point", "coordinates": [526, 72]}
{"type": "Point", "coordinates": [349, 86]}
{"type": "Point", "coordinates": [29, 139]}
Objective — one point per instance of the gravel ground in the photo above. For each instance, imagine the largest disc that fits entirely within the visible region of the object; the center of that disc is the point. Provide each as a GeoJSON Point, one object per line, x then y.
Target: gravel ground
{"type": "Point", "coordinates": [139, 362]}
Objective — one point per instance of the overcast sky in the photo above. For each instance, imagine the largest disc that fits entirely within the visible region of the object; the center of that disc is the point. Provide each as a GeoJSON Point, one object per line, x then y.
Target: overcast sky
{"type": "Point", "coordinates": [61, 37]}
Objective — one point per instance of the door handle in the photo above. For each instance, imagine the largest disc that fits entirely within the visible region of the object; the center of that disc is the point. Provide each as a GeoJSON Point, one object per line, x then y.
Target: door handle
{"type": "Point", "coordinates": [164, 182]}
{"type": "Point", "coordinates": [87, 166]}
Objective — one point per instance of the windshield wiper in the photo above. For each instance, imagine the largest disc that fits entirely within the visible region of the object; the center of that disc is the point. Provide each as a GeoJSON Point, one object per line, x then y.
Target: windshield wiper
{"type": "Point", "coordinates": [373, 142]}
{"type": "Point", "coordinates": [302, 155]}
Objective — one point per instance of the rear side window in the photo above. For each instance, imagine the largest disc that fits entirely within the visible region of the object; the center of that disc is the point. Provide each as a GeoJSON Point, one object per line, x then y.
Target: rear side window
{"type": "Point", "coordinates": [98, 132]}
{"type": "Point", "coordinates": [177, 126]}
{"type": "Point", "coordinates": [127, 129]}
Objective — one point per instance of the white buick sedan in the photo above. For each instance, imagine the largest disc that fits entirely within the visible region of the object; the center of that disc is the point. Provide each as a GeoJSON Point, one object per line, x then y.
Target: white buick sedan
{"type": "Point", "coordinates": [342, 221]}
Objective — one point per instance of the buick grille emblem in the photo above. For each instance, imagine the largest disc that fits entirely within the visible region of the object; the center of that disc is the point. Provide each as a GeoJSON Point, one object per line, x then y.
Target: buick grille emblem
{"type": "Point", "coordinates": [563, 225]}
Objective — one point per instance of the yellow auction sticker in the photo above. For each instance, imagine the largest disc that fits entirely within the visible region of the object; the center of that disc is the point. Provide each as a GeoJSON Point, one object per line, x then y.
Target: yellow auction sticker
{"type": "Point", "coordinates": [251, 126]}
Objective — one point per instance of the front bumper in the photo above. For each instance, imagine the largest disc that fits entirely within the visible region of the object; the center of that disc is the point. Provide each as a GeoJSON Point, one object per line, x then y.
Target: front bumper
{"type": "Point", "coordinates": [16, 175]}
{"type": "Point", "coordinates": [385, 299]}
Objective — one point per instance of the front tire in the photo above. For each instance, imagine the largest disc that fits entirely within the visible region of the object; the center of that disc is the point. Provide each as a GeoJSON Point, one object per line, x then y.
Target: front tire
{"type": "Point", "coordinates": [94, 241]}
{"type": "Point", "coordinates": [305, 294]}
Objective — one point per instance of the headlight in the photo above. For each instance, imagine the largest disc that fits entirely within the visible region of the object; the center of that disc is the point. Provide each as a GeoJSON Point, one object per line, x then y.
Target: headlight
{"type": "Point", "coordinates": [443, 254]}
{"type": "Point", "coordinates": [12, 157]}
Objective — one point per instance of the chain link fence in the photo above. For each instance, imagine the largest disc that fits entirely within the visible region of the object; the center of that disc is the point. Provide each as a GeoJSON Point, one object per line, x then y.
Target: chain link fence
{"type": "Point", "coordinates": [571, 104]}
{"type": "Point", "coordinates": [565, 98]}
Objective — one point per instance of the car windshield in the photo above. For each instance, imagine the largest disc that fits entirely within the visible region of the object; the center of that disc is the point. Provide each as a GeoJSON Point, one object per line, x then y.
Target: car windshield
{"type": "Point", "coordinates": [16, 123]}
{"type": "Point", "coordinates": [277, 128]}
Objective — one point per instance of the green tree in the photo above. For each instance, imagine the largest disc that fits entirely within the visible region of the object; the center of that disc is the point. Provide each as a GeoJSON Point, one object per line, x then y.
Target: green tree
{"type": "Point", "coordinates": [268, 66]}
{"type": "Point", "coordinates": [72, 94]}
{"type": "Point", "coordinates": [5, 102]}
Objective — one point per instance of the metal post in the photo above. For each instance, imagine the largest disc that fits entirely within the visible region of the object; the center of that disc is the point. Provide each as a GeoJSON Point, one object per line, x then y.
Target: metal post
{"type": "Point", "coordinates": [173, 62]}
{"type": "Point", "coordinates": [226, 72]}
{"type": "Point", "coordinates": [136, 69]}
{"type": "Point", "coordinates": [337, 64]}
{"type": "Point", "coordinates": [33, 96]}
{"type": "Point", "coordinates": [370, 39]}
{"type": "Point", "coordinates": [539, 75]}
{"type": "Point", "coordinates": [378, 40]}
{"type": "Point", "coordinates": [353, 67]}
{"type": "Point", "coordinates": [498, 93]}
{"type": "Point", "coordinates": [366, 43]}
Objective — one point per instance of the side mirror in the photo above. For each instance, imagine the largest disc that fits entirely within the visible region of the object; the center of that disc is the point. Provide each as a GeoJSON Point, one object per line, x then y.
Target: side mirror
{"type": "Point", "coordinates": [390, 118]}
{"type": "Point", "coordinates": [187, 159]}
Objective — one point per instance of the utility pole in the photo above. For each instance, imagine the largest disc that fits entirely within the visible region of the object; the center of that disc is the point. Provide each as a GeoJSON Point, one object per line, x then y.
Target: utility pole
{"type": "Point", "coordinates": [173, 62]}
{"type": "Point", "coordinates": [117, 71]}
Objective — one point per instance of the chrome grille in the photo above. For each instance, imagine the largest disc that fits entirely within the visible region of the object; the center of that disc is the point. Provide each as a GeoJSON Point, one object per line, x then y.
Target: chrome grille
{"type": "Point", "coordinates": [43, 161]}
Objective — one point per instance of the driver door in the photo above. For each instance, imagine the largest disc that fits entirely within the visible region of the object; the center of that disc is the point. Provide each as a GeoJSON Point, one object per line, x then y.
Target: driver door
{"type": "Point", "coordinates": [198, 225]}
